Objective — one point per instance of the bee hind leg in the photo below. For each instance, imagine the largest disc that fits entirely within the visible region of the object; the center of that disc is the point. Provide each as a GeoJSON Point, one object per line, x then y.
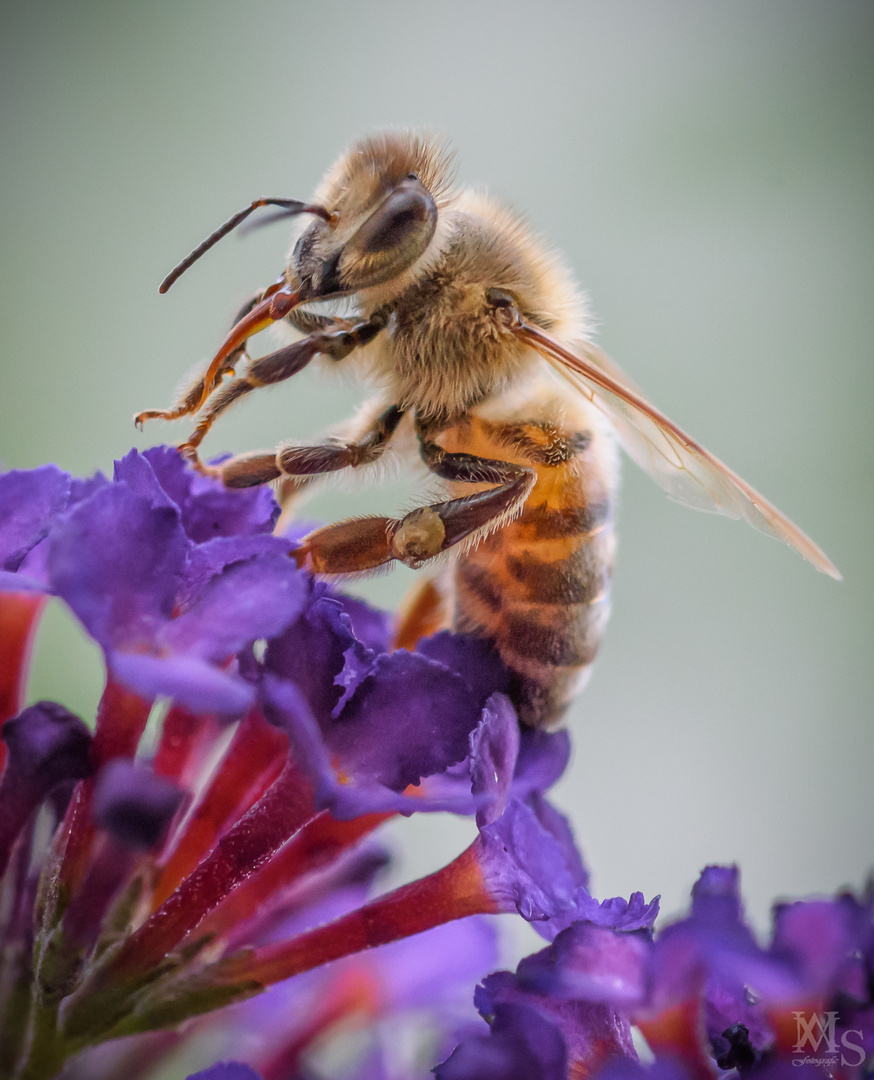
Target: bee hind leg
{"type": "Point", "coordinates": [356, 545]}
{"type": "Point", "coordinates": [425, 610]}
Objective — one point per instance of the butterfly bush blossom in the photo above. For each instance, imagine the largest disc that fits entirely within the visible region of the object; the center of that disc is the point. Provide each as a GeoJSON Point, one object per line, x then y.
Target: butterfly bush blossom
{"type": "Point", "coordinates": [214, 887]}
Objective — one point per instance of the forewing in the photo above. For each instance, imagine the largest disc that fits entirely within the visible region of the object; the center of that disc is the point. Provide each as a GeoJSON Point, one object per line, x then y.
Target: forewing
{"type": "Point", "coordinates": [683, 468]}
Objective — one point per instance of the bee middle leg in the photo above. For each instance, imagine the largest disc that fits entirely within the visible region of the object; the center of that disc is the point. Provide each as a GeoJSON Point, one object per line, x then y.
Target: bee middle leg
{"type": "Point", "coordinates": [352, 546]}
{"type": "Point", "coordinates": [249, 470]}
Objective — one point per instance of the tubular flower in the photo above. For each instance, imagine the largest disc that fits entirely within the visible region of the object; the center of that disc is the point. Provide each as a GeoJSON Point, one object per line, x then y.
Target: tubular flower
{"type": "Point", "coordinates": [192, 878]}
{"type": "Point", "coordinates": [708, 998]}
{"type": "Point", "coordinates": [151, 881]}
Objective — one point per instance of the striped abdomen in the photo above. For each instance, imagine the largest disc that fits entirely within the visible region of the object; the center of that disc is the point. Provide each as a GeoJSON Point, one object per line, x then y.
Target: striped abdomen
{"type": "Point", "coordinates": [538, 588]}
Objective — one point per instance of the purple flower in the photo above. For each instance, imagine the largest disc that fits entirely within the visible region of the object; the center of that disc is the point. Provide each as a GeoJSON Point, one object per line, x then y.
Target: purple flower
{"type": "Point", "coordinates": [536, 1034]}
{"type": "Point", "coordinates": [521, 1045]}
{"type": "Point", "coordinates": [47, 745]}
{"type": "Point", "coordinates": [207, 510]}
{"type": "Point", "coordinates": [135, 805]}
{"type": "Point", "coordinates": [163, 588]}
{"type": "Point", "coordinates": [203, 865]}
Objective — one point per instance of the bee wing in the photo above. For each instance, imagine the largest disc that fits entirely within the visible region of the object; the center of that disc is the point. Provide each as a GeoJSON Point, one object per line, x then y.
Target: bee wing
{"type": "Point", "coordinates": [683, 468]}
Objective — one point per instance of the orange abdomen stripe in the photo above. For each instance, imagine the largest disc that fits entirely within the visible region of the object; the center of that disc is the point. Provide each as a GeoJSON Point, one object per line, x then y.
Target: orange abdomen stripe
{"type": "Point", "coordinates": [538, 588]}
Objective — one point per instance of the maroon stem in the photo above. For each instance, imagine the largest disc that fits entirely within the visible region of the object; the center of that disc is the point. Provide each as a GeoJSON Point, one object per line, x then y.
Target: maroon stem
{"type": "Point", "coordinates": [318, 842]}
{"type": "Point", "coordinates": [18, 799]}
{"type": "Point", "coordinates": [121, 720]}
{"type": "Point", "coordinates": [251, 763]}
{"type": "Point", "coordinates": [286, 806]}
{"type": "Point", "coordinates": [452, 893]}
{"type": "Point", "coordinates": [19, 616]}
{"type": "Point", "coordinates": [181, 738]}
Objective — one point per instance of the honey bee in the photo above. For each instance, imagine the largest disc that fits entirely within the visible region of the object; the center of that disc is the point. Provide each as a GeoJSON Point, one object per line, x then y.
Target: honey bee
{"type": "Point", "coordinates": [478, 341]}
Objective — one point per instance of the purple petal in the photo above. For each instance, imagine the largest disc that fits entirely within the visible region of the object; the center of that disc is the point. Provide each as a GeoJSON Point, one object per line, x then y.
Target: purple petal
{"type": "Point", "coordinates": [188, 680]}
{"type": "Point", "coordinates": [592, 1032]}
{"type": "Point", "coordinates": [82, 488]}
{"type": "Point", "coordinates": [494, 748]}
{"type": "Point", "coordinates": [716, 897]}
{"type": "Point", "coordinates": [352, 794]}
{"type": "Point", "coordinates": [312, 653]}
{"type": "Point", "coordinates": [207, 560]}
{"type": "Point", "coordinates": [663, 1069]}
{"type": "Point", "coordinates": [616, 913]}
{"type": "Point", "coordinates": [714, 944]}
{"type": "Point", "coordinates": [208, 508]}
{"type": "Point", "coordinates": [521, 1045]}
{"type": "Point", "coordinates": [526, 862]}
{"type": "Point", "coordinates": [471, 658]}
{"type": "Point", "coordinates": [370, 626]}
{"type": "Point", "coordinates": [248, 600]}
{"type": "Point", "coordinates": [427, 709]}
{"type": "Point", "coordinates": [116, 560]}
{"type": "Point", "coordinates": [823, 943]}
{"type": "Point", "coordinates": [21, 583]}
{"type": "Point", "coordinates": [543, 757]}
{"type": "Point", "coordinates": [135, 472]}
{"type": "Point", "coordinates": [590, 963]}
{"type": "Point", "coordinates": [226, 1070]}
{"type": "Point", "coordinates": [133, 804]}
{"type": "Point", "coordinates": [30, 500]}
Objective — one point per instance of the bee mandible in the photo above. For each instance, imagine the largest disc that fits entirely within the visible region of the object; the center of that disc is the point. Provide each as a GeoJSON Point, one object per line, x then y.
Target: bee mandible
{"type": "Point", "coordinates": [479, 345]}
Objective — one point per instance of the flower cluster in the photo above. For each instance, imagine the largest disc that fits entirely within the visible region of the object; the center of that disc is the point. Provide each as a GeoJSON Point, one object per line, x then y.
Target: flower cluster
{"type": "Point", "coordinates": [704, 994]}
{"type": "Point", "coordinates": [150, 886]}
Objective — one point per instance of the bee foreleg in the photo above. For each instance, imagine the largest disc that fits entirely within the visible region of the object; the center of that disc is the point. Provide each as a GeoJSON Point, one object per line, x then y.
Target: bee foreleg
{"type": "Point", "coordinates": [248, 470]}
{"type": "Point", "coordinates": [189, 400]}
{"type": "Point", "coordinates": [352, 546]}
{"type": "Point", "coordinates": [281, 365]}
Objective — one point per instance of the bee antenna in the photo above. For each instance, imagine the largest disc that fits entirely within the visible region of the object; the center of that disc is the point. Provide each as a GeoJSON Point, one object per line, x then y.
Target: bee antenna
{"type": "Point", "coordinates": [265, 219]}
{"type": "Point", "coordinates": [289, 206]}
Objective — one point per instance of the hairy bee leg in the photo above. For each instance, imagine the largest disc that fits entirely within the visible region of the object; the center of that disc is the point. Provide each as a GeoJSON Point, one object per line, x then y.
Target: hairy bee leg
{"type": "Point", "coordinates": [281, 365]}
{"type": "Point", "coordinates": [352, 546]}
{"type": "Point", "coordinates": [190, 400]}
{"type": "Point", "coordinates": [248, 470]}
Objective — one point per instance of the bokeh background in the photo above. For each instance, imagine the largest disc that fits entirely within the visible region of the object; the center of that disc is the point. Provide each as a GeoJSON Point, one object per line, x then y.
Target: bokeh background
{"type": "Point", "coordinates": [707, 168]}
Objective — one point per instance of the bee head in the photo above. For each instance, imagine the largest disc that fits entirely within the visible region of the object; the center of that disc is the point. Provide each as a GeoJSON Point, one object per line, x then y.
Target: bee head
{"type": "Point", "coordinates": [384, 196]}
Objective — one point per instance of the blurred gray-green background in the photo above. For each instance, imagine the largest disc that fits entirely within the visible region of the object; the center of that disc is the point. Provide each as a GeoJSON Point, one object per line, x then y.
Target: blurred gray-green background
{"type": "Point", "coordinates": [708, 169]}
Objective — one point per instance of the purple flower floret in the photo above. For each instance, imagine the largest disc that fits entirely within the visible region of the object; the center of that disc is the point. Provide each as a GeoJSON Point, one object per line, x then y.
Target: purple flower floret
{"type": "Point", "coordinates": [520, 1045]}
{"type": "Point", "coordinates": [47, 745]}
{"type": "Point", "coordinates": [534, 1033]}
{"type": "Point", "coordinates": [135, 805]}
{"type": "Point", "coordinates": [164, 589]}
{"type": "Point", "coordinates": [207, 509]}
